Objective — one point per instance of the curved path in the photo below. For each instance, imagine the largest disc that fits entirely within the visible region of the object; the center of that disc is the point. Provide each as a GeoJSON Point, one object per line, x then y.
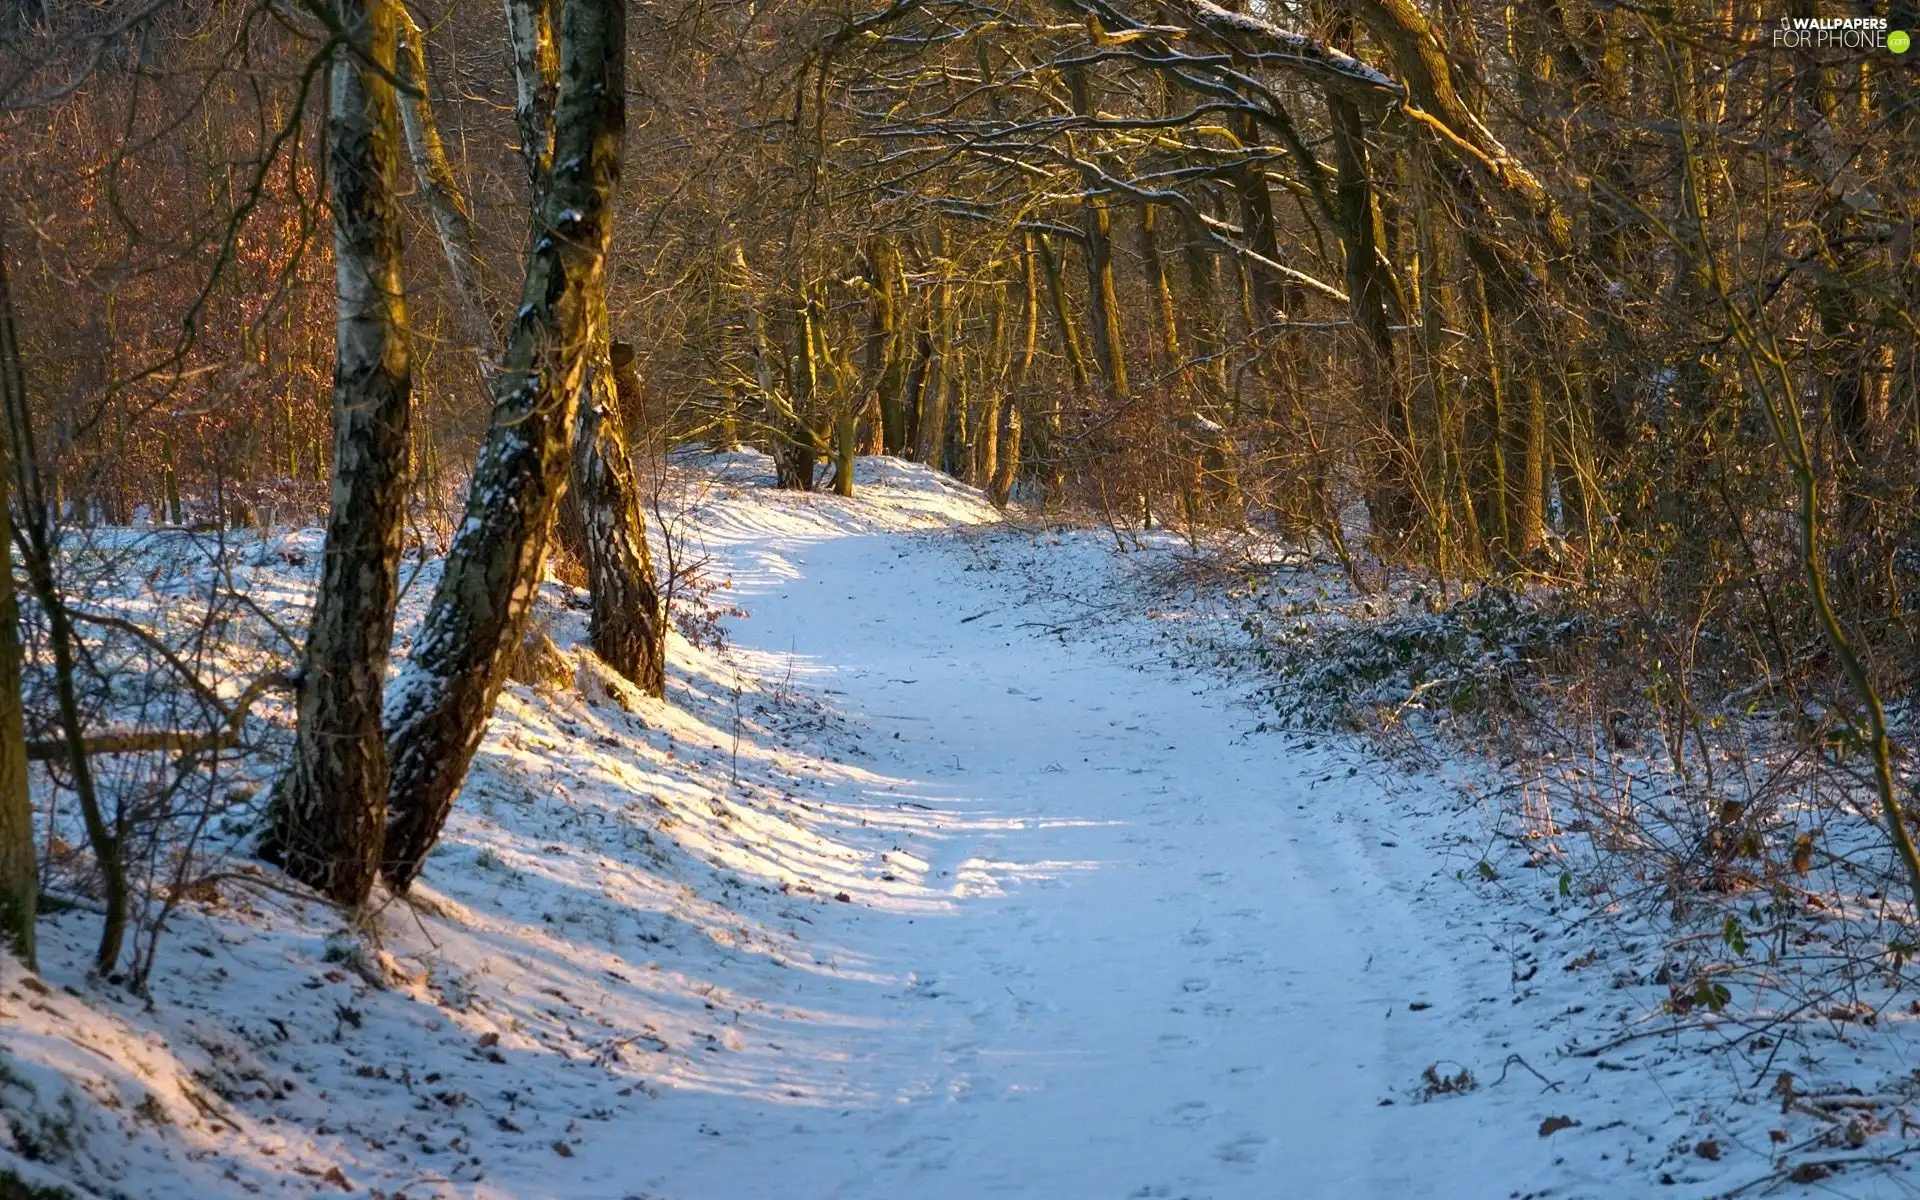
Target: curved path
{"type": "Point", "coordinates": [1177, 961]}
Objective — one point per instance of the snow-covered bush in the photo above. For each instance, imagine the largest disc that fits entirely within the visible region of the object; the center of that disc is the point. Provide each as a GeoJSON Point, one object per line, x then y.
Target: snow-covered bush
{"type": "Point", "coordinates": [1462, 658]}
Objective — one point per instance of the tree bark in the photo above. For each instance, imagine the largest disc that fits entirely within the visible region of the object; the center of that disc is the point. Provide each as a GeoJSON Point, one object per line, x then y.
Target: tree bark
{"type": "Point", "coordinates": [886, 351]}
{"type": "Point", "coordinates": [930, 444]}
{"type": "Point", "coordinates": [1272, 297]}
{"type": "Point", "coordinates": [19, 868]}
{"type": "Point", "coordinates": [327, 819]}
{"type": "Point", "coordinates": [1096, 224]}
{"type": "Point", "coordinates": [452, 219]}
{"type": "Point", "coordinates": [536, 76]}
{"type": "Point", "coordinates": [1391, 482]}
{"type": "Point", "coordinates": [437, 710]}
{"type": "Point", "coordinates": [628, 625]}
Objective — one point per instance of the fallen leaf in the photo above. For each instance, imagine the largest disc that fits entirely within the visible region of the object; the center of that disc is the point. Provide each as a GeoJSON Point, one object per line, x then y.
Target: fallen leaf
{"type": "Point", "coordinates": [1709, 1150]}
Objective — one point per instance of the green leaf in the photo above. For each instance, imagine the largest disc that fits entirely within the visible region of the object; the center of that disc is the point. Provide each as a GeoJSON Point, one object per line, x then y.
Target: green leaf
{"type": "Point", "coordinates": [1734, 936]}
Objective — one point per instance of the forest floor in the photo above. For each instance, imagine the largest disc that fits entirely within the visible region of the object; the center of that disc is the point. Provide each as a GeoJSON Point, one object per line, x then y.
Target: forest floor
{"type": "Point", "coordinates": [940, 879]}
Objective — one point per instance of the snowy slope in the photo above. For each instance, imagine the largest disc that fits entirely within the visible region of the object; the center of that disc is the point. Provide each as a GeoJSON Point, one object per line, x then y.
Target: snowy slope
{"type": "Point", "coordinates": [936, 882]}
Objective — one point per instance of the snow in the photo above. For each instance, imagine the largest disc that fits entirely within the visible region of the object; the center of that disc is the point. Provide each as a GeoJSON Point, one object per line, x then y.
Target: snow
{"type": "Point", "coordinates": [938, 881]}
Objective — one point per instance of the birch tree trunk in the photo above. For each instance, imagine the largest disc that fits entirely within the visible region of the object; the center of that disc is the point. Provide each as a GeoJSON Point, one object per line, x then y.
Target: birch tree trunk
{"type": "Point", "coordinates": [326, 823]}
{"type": "Point", "coordinates": [628, 625]}
{"type": "Point", "coordinates": [437, 710]}
{"type": "Point", "coordinates": [452, 218]}
{"type": "Point", "coordinates": [536, 78]}
{"type": "Point", "coordinates": [603, 517]}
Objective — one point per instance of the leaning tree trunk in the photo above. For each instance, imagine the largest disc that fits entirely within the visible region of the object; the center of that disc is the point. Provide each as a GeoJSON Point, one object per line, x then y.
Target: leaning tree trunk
{"type": "Point", "coordinates": [437, 710]}
{"type": "Point", "coordinates": [19, 871]}
{"type": "Point", "coordinates": [603, 517]}
{"type": "Point", "coordinates": [327, 818]}
{"type": "Point", "coordinates": [452, 216]}
{"type": "Point", "coordinates": [627, 627]}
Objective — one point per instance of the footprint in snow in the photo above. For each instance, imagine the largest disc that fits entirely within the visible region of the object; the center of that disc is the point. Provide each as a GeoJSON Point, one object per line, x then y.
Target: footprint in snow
{"type": "Point", "coordinates": [1187, 1115]}
{"type": "Point", "coordinates": [1242, 1151]}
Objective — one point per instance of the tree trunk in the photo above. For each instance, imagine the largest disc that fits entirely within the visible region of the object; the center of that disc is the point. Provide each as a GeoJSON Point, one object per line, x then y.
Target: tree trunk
{"type": "Point", "coordinates": [628, 626]}
{"type": "Point", "coordinates": [886, 357]}
{"type": "Point", "coordinates": [930, 446]}
{"type": "Point", "coordinates": [1096, 224]}
{"type": "Point", "coordinates": [452, 219]}
{"type": "Point", "coordinates": [327, 819]}
{"type": "Point", "coordinates": [1390, 484]}
{"type": "Point", "coordinates": [846, 446]}
{"type": "Point", "coordinates": [1271, 296]}
{"type": "Point", "coordinates": [38, 547]}
{"type": "Point", "coordinates": [536, 76]}
{"type": "Point", "coordinates": [437, 710]}
{"type": "Point", "coordinates": [1007, 462]}
{"type": "Point", "coordinates": [1063, 318]}
{"type": "Point", "coordinates": [19, 868]}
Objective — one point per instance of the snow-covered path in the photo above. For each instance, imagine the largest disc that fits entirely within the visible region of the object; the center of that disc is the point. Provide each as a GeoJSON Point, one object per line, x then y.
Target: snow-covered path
{"type": "Point", "coordinates": [1169, 964]}
{"type": "Point", "coordinates": [901, 895]}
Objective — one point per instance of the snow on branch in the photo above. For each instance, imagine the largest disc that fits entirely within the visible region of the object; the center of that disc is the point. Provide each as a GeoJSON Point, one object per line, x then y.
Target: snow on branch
{"type": "Point", "coordinates": [1267, 42]}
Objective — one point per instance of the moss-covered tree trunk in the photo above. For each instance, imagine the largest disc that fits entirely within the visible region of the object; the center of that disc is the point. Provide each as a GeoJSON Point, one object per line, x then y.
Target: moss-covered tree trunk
{"type": "Point", "coordinates": [437, 710]}
{"type": "Point", "coordinates": [327, 818]}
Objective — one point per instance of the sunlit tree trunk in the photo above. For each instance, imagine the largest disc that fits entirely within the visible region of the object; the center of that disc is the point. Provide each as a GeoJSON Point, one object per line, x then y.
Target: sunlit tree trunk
{"type": "Point", "coordinates": [1096, 225]}
{"type": "Point", "coordinates": [603, 519]}
{"type": "Point", "coordinates": [452, 217]}
{"type": "Point", "coordinates": [930, 445]}
{"type": "Point", "coordinates": [437, 709]}
{"type": "Point", "coordinates": [886, 352]}
{"type": "Point", "coordinates": [327, 819]}
{"type": "Point", "coordinates": [628, 625]}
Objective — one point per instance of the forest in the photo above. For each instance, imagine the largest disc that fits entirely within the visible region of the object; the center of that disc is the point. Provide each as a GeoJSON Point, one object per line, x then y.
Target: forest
{"type": "Point", "coordinates": [1173, 500]}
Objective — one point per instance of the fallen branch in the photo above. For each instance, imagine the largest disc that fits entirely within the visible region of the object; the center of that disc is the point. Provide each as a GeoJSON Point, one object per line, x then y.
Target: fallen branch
{"type": "Point", "coordinates": [174, 741]}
